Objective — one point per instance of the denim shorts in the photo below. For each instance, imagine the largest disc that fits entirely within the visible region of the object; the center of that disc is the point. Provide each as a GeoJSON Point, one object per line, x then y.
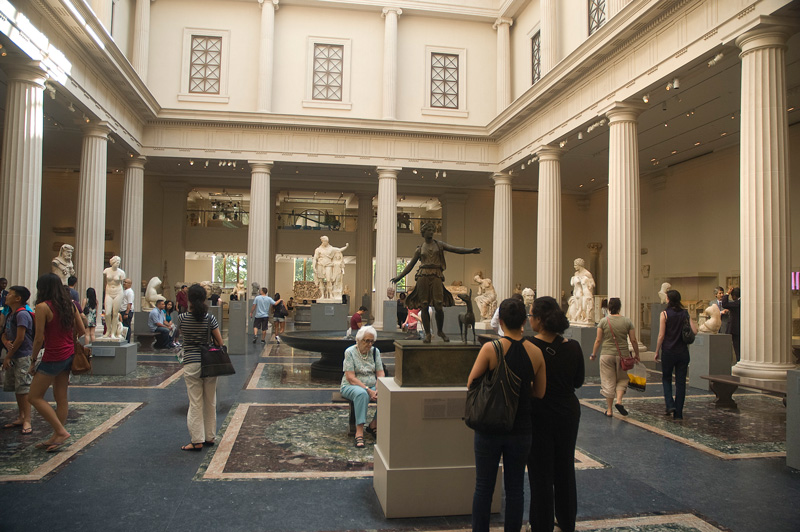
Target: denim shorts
{"type": "Point", "coordinates": [52, 369]}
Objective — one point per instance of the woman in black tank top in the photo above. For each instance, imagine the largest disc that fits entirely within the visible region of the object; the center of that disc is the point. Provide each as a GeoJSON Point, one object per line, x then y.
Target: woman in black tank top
{"type": "Point", "coordinates": [526, 361]}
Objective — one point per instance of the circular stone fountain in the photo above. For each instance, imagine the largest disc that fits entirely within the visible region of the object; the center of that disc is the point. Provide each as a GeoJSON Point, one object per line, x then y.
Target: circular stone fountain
{"type": "Point", "coordinates": [331, 345]}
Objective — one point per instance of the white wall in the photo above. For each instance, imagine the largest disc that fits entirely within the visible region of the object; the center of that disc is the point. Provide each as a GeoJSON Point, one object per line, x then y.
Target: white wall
{"type": "Point", "coordinates": [523, 29]}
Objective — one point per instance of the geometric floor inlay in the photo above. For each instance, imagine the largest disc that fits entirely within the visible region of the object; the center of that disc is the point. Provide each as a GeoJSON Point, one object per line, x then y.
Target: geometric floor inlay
{"type": "Point", "coordinates": [148, 374]}
{"type": "Point", "coordinates": [655, 523]}
{"type": "Point", "coordinates": [757, 429]}
{"type": "Point", "coordinates": [20, 460]}
{"type": "Point", "coordinates": [278, 375]}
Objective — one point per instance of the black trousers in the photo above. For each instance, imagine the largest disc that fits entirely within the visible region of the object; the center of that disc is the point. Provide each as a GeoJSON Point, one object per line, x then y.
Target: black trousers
{"type": "Point", "coordinates": [551, 472]}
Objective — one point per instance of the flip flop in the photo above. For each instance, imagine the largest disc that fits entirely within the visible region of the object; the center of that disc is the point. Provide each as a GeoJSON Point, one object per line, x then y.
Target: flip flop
{"type": "Point", "coordinates": [209, 443]}
{"type": "Point", "coordinates": [42, 445]}
{"type": "Point", "coordinates": [27, 431]}
{"type": "Point", "coordinates": [56, 446]}
{"type": "Point", "coordinates": [12, 425]}
{"type": "Point", "coordinates": [192, 447]}
{"type": "Point", "coordinates": [622, 409]}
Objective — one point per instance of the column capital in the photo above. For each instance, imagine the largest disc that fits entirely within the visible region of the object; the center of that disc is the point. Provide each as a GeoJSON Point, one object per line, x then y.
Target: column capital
{"type": "Point", "coordinates": [98, 129]}
{"type": "Point", "coordinates": [549, 153]}
{"type": "Point", "coordinates": [386, 10]}
{"type": "Point", "coordinates": [29, 71]}
{"type": "Point", "coordinates": [263, 166]}
{"type": "Point", "coordinates": [388, 172]}
{"type": "Point", "coordinates": [273, 3]}
{"type": "Point", "coordinates": [502, 21]}
{"type": "Point", "coordinates": [623, 111]}
{"type": "Point", "coordinates": [502, 178]}
{"type": "Point", "coordinates": [137, 161]}
{"type": "Point", "coordinates": [763, 37]}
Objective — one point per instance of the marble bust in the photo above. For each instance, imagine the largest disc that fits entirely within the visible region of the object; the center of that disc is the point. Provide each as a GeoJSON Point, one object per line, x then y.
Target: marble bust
{"type": "Point", "coordinates": [151, 295]}
{"type": "Point", "coordinates": [713, 320]}
{"type": "Point", "coordinates": [328, 264]}
{"type": "Point", "coordinates": [581, 304]}
{"type": "Point", "coordinates": [528, 295]}
{"type": "Point", "coordinates": [62, 264]}
{"type": "Point", "coordinates": [662, 294]}
{"type": "Point", "coordinates": [114, 278]}
{"type": "Point", "coordinates": [486, 298]}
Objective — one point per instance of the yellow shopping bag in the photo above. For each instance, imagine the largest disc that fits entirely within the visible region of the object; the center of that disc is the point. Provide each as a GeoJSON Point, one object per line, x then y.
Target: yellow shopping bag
{"type": "Point", "coordinates": [637, 377]}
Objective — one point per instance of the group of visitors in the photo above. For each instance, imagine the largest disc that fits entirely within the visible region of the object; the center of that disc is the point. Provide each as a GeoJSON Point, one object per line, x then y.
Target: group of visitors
{"type": "Point", "coordinates": [260, 312]}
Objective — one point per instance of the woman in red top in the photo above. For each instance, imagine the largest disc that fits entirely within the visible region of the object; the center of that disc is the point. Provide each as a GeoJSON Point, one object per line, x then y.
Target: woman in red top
{"type": "Point", "coordinates": [56, 320]}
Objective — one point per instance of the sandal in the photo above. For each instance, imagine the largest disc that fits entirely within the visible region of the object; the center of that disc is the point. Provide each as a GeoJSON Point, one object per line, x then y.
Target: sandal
{"type": "Point", "coordinates": [209, 443]}
{"type": "Point", "coordinates": [622, 409]}
{"type": "Point", "coordinates": [372, 432]}
{"type": "Point", "coordinates": [360, 442]}
{"type": "Point", "coordinates": [192, 447]}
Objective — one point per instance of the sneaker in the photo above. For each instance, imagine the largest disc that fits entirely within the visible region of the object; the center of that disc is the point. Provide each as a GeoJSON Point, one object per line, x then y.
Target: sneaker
{"type": "Point", "coordinates": [255, 339]}
{"type": "Point", "coordinates": [263, 341]}
{"type": "Point", "coordinates": [278, 339]}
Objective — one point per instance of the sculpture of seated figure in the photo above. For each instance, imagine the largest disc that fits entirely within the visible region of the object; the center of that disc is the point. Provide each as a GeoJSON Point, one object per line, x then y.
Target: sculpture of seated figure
{"type": "Point", "coordinates": [713, 320]}
{"type": "Point", "coordinates": [662, 294]}
{"type": "Point", "coordinates": [486, 298]}
{"type": "Point", "coordinates": [151, 295]}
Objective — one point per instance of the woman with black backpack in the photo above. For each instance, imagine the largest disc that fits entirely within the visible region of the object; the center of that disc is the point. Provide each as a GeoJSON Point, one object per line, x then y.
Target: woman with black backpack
{"type": "Point", "coordinates": [675, 352]}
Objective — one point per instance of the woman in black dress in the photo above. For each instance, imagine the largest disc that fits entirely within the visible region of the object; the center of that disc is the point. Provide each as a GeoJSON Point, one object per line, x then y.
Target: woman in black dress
{"type": "Point", "coordinates": [551, 464]}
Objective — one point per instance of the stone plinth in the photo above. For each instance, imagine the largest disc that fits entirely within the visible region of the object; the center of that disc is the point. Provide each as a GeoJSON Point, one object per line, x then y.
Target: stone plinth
{"type": "Point", "coordinates": [792, 418]}
{"type": "Point", "coordinates": [112, 357]}
{"type": "Point", "coordinates": [237, 327]}
{"type": "Point", "coordinates": [217, 313]}
{"type": "Point", "coordinates": [329, 317]}
{"type": "Point", "coordinates": [424, 457]}
{"type": "Point", "coordinates": [710, 355]}
{"type": "Point", "coordinates": [390, 315]}
{"type": "Point", "coordinates": [434, 364]}
{"type": "Point", "coordinates": [302, 315]}
{"type": "Point", "coordinates": [586, 337]}
{"type": "Point", "coordinates": [139, 322]}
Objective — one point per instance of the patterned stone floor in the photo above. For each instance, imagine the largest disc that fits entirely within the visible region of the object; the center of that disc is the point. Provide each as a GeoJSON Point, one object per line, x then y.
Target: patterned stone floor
{"type": "Point", "coordinates": [148, 374]}
{"type": "Point", "coordinates": [21, 460]}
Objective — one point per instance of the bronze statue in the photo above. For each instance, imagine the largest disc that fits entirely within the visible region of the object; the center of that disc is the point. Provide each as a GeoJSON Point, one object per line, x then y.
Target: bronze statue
{"type": "Point", "coordinates": [430, 290]}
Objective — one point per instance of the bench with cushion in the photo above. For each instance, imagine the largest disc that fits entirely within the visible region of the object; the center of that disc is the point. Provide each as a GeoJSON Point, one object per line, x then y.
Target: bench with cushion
{"type": "Point", "coordinates": [336, 397]}
{"type": "Point", "coordinates": [723, 387]}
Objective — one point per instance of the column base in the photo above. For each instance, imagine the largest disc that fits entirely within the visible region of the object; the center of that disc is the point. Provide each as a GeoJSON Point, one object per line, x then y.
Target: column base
{"type": "Point", "coordinates": [762, 370]}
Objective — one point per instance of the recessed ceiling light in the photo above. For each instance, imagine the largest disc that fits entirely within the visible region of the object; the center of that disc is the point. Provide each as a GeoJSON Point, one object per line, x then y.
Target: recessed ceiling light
{"type": "Point", "coordinates": [696, 143]}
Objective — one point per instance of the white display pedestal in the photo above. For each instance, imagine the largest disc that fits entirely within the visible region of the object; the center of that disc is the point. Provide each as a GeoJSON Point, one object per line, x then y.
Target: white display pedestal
{"type": "Point", "coordinates": [424, 457]}
{"type": "Point", "coordinates": [585, 336]}
{"type": "Point", "coordinates": [710, 354]}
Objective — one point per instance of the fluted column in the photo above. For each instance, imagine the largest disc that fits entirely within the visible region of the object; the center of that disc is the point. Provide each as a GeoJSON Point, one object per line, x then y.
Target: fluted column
{"type": "Point", "coordinates": [266, 54]}
{"type": "Point", "coordinates": [391, 15]}
{"type": "Point", "coordinates": [624, 231]}
{"type": "Point", "coordinates": [764, 238]}
{"type": "Point", "coordinates": [133, 219]}
{"type": "Point", "coordinates": [273, 241]}
{"type": "Point", "coordinates": [502, 250]}
{"type": "Point", "coordinates": [21, 175]}
{"type": "Point", "coordinates": [548, 227]}
{"type": "Point", "coordinates": [90, 233]}
{"type": "Point", "coordinates": [102, 8]}
{"type": "Point", "coordinates": [549, 34]}
{"type": "Point", "coordinates": [258, 231]}
{"type": "Point", "coordinates": [364, 241]}
{"type": "Point", "coordinates": [141, 38]}
{"type": "Point", "coordinates": [503, 25]}
{"type": "Point", "coordinates": [614, 7]}
{"type": "Point", "coordinates": [385, 239]}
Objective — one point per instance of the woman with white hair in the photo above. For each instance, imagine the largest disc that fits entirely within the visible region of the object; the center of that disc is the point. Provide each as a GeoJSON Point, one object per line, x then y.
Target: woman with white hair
{"type": "Point", "coordinates": [362, 367]}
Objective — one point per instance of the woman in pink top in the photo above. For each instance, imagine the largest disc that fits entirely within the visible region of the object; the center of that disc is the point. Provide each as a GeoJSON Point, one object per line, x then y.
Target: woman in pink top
{"type": "Point", "coordinates": [57, 319]}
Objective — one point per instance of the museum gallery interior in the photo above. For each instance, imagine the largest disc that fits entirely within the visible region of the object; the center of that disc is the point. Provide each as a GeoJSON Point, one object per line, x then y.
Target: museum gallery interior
{"type": "Point", "coordinates": [591, 149]}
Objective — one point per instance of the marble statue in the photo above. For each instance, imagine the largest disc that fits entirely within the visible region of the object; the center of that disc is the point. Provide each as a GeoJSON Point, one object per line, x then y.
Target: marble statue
{"type": "Point", "coordinates": [518, 289]}
{"type": "Point", "coordinates": [207, 286]}
{"type": "Point", "coordinates": [338, 274]}
{"type": "Point", "coordinates": [662, 294]}
{"type": "Point", "coordinates": [486, 298]}
{"type": "Point", "coordinates": [241, 290]}
{"type": "Point", "coordinates": [528, 295]}
{"type": "Point", "coordinates": [62, 265]}
{"type": "Point", "coordinates": [713, 320]}
{"type": "Point", "coordinates": [581, 304]}
{"type": "Point", "coordinates": [255, 289]}
{"type": "Point", "coordinates": [114, 277]}
{"type": "Point", "coordinates": [216, 289]}
{"type": "Point", "coordinates": [429, 290]}
{"type": "Point", "coordinates": [151, 295]}
{"type": "Point", "coordinates": [324, 264]}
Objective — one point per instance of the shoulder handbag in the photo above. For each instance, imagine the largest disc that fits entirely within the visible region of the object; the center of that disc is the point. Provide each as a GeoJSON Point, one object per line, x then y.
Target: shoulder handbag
{"type": "Point", "coordinates": [493, 398]}
{"type": "Point", "coordinates": [687, 334]}
{"type": "Point", "coordinates": [214, 361]}
{"type": "Point", "coordinates": [625, 362]}
{"type": "Point", "coordinates": [375, 361]}
{"type": "Point", "coordinates": [82, 360]}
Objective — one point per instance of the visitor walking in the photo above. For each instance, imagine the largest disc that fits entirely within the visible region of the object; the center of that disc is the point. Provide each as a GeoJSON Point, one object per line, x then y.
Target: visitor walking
{"type": "Point", "coordinates": [18, 341]}
{"type": "Point", "coordinates": [90, 311]}
{"type": "Point", "coordinates": [674, 353]}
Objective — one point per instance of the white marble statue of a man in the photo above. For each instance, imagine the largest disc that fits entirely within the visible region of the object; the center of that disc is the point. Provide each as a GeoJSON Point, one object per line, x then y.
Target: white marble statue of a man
{"type": "Point", "coordinates": [114, 277]}
{"type": "Point", "coordinates": [62, 264]}
{"type": "Point", "coordinates": [486, 298]}
{"type": "Point", "coordinates": [323, 264]}
{"type": "Point", "coordinates": [581, 304]}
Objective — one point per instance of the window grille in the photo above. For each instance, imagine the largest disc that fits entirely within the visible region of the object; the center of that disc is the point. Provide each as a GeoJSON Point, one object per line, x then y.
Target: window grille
{"type": "Point", "coordinates": [328, 68]}
{"type": "Point", "coordinates": [536, 57]}
{"type": "Point", "coordinates": [206, 60]}
{"type": "Point", "coordinates": [444, 81]}
{"type": "Point", "coordinates": [597, 14]}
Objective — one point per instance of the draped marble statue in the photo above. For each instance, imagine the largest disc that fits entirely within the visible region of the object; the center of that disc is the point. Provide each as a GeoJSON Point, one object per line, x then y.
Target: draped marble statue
{"type": "Point", "coordinates": [581, 304]}
{"type": "Point", "coordinates": [327, 259]}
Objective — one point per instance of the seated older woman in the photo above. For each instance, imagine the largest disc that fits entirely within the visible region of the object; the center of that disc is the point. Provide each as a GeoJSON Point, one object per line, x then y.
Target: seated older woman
{"type": "Point", "coordinates": [362, 367]}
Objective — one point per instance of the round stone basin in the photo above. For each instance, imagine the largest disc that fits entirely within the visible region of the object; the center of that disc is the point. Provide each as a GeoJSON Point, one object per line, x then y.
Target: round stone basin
{"type": "Point", "coordinates": [331, 345]}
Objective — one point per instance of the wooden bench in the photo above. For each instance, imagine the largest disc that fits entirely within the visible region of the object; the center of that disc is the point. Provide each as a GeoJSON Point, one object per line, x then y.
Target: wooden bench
{"type": "Point", "coordinates": [723, 387]}
{"type": "Point", "coordinates": [336, 397]}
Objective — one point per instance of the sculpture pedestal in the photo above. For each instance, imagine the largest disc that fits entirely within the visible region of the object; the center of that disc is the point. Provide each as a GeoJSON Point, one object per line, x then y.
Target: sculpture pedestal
{"type": "Point", "coordinates": [655, 323]}
{"type": "Point", "coordinates": [586, 337]}
{"type": "Point", "coordinates": [435, 364]}
{"type": "Point", "coordinates": [329, 317]}
{"type": "Point", "coordinates": [112, 357]}
{"type": "Point", "coordinates": [792, 418]}
{"type": "Point", "coordinates": [237, 327]}
{"type": "Point", "coordinates": [139, 322]}
{"type": "Point", "coordinates": [390, 315]}
{"type": "Point", "coordinates": [217, 313]}
{"type": "Point", "coordinates": [302, 315]}
{"type": "Point", "coordinates": [424, 457]}
{"type": "Point", "coordinates": [710, 354]}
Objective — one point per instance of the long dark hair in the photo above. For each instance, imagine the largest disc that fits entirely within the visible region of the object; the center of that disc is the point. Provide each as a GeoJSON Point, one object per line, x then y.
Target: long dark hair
{"type": "Point", "coordinates": [91, 298]}
{"type": "Point", "coordinates": [197, 301]}
{"type": "Point", "coordinates": [512, 313]}
{"type": "Point", "coordinates": [674, 300]}
{"type": "Point", "coordinates": [168, 310]}
{"type": "Point", "coordinates": [50, 288]}
{"type": "Point", "coordinates": [548, 311]}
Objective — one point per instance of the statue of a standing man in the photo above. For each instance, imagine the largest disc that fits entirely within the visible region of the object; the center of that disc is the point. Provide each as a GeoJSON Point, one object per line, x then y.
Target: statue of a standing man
{"type": "Point", "coordinates": [323, 264]}
{"type": "Point", "coordinates": [430, 290]}
{"type": "Point", "coordinates": [62, 265]}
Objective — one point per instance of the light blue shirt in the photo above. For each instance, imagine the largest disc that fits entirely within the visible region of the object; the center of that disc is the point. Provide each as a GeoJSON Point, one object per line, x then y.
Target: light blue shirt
{"type": "Point", "coordinates": [156, 316]}
{"type": "Point", "coordinates": [263, 304]}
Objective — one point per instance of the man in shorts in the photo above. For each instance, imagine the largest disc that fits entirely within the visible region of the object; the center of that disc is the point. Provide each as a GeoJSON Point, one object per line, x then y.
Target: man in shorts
{"type": "Point", "coordinates": [261, 305]}
{"type": "Point", "coordinates": [17, 338]}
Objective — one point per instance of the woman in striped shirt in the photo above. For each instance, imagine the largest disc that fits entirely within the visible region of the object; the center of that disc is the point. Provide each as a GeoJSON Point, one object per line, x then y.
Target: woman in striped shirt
{"type": "Point", "coordinates": [197, 328]}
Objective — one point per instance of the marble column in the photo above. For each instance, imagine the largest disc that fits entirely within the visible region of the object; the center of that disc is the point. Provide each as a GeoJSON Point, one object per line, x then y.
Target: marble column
{"type": "Point", "coordinates": [503, 25]}
{"type": "Point", "coordinates": [102, 8]}
{"type": "Point", "coordinates": [364, 250]}
{"type": "Point", "coordinates": [258, 231]}
{"type": "Point", "coordinates": [624, 231]}
{"type": "Point", "coordinates": [90, 233]}
{"type": "Point", "coordinates": [141, 38]}
{"type": "Point", "coordinates": [614, 7]}
{"type": "Point", "coordinates": [385, 240]}
{"type": "Point", "coordinates": [391, 14]}
{"type": "Point", "coordinates": [764, 239]}
{"type": "Point", "coordinates": [133, 220]}
{"type": "Point", "coordinates": [502, 237]}
{"type": "Point", "coordinates": [266, 55]}
{"type": "Point", "coordinates": [21, 175]}
{"type": "Point", "coordinates": [273, 241]}
{"type": "Point", "coordinates": [548, 10]}
{"type": "Point", "coordinates": [548, 228]}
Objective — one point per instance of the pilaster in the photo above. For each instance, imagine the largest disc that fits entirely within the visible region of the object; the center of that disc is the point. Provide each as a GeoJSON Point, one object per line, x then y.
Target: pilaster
{"type": "Point", "coordinates": [266, 55]}
{"type": "Point", "coordinates": [548, 13]}
{"type": "Point", "coordinates": [141, 39]}
{"type": "Point", "coordinates": [391, 14]}
{"type": "Point", "coordinates": [503, 25]}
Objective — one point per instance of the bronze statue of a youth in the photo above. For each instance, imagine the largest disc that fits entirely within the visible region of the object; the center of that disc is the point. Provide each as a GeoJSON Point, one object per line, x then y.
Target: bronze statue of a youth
{"type": "Point", "coordinates": [430, 290]}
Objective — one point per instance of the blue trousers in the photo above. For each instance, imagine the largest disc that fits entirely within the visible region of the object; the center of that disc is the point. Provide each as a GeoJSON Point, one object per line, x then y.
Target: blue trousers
{"type": "Point", "coordinates": [163, 337]}
{"type": "Point", "coordinates": [678, 362]}
{"type": "Point", "coordinates": [488, 449]}
{"type": "Point", "coordinates": [360, 399]}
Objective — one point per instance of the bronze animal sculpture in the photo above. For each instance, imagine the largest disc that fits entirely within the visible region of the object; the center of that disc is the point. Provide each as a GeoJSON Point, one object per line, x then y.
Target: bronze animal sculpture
{"type": "Point", "coordinates": [467, 320]}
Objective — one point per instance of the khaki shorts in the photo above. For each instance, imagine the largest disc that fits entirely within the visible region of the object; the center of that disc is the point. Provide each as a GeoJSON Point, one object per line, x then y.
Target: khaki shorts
{"type": "Point", "coordinates": [17, 379]}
